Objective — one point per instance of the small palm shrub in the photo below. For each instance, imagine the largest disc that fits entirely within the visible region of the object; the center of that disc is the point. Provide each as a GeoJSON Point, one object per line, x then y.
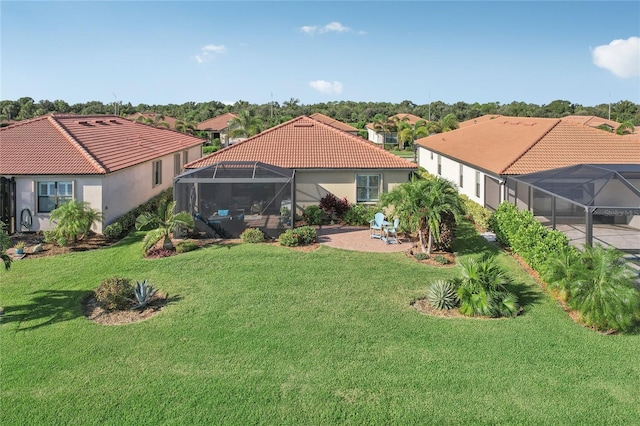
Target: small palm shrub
{"type": "Point", "coordinates": [314, 215]}
{"type": "Point", "coordinates": [115, 293]}
{"type": "Point", "coordinates": [73, 221]}
{"type": "Point", "coordinates": [143, 292]}
{"type": "Point", "coordinates": [441, 259]}
{"type": "Point", "coordinates": [421, 256]}
{"type": "Point", "coordinates": [186, 246]}
{"type": "Point", "coordinates": [483, 290]}
{"type": "Point", "coordinates": [252, 235]}
{"type": "Point", "coordinates": [441, 294]}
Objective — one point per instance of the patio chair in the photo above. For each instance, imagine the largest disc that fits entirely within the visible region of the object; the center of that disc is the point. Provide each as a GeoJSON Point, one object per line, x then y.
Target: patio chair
{"type": "Point", "coordinates": [391, 232]}
{"type": "Point", "coordinates": [376, 225]}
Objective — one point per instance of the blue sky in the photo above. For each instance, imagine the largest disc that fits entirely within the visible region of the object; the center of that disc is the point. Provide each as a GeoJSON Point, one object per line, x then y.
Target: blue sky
{"type": "Point", "coordinates": [175, 52]}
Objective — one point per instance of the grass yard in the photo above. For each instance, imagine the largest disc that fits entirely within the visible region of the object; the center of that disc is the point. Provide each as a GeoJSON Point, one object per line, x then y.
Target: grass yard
{"type": "Point", "coordinates": [261, 334]}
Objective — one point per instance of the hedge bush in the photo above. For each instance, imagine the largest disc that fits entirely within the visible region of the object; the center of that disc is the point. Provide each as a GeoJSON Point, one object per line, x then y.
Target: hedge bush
{"type": "Point", "coordinates": [476, 213]}
{"type": "Point", "coordinates": [125, 223]}
{"type": "Point", "coordinates": [298, 236]}
{"type": "Point", "coordinates": [252, 235]}
{"type": "Point", "coordinates": [115, 293]}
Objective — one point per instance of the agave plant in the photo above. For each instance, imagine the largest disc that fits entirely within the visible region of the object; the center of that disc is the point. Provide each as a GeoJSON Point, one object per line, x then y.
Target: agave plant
{"type": "Point", "coordinates": [441, 294]}
{"type": "Point", "coordinates": [143, 293]}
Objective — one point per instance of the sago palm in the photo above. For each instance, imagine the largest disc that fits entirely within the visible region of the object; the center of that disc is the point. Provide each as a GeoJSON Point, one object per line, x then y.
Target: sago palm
{"type": "Point", "coordinates": [162, 224]}
{"type": "Point", "coordinates": [74, 219]}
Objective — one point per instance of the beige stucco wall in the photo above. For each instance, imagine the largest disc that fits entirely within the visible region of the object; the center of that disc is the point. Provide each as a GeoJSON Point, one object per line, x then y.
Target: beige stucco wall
{"type": "Point", "coordinates": [114, 194]}
{"type": "Point", "coordinates": [312, 185]}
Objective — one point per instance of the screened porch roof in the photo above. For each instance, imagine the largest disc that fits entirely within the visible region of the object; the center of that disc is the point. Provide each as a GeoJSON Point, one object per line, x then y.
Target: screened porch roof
{"type": "Point", "coordinates": [592, 186]}
{"type": "Point", "coordinates": [236, 172]}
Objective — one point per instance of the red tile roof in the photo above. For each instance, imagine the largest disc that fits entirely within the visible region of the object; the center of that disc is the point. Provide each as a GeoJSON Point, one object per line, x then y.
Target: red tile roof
{"type": "Point", "coordinates": [333, 122]}
{"type": "Point", "coordinates": [218, 123]}
{"type": "Point", "coordinates": [518, 145]}
{"type": "Point", "coordinates": [169, 120]}
{"type": "Point", "coordinates": [305, 143]}
{"type": "Point", "coordinates": [72, 144]}
{"type": "Point", "coordinates": [480, 119]}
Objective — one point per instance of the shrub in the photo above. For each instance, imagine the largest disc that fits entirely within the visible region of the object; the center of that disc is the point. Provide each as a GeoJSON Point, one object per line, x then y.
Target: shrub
{"type": "Point", "coordinates": [476, 213]}
{"type": "Point", "coordinates": [73, 220]}
{"type": "Point", "coordinates": [298, 236]}
{"type": "Point", "coordinates": [128, 220]}
{"type": "Point", "coordinates": [441, 294]}
{"type": "Point", "coordinates": [332, 205]}
{"type": "Point", "coordinates": [359, 215]}
{"type": "Point", "coordinates": [113, 232]}
{"type": "Point", "coordinates": [159, 252]}
{"type": "Point", "coordinates": [252, 235]}
{"type": "Point", "coordinates": [421, 256]}
{"type": "Point", "coordinates": [313, 215]}
{"type": "Point", "coordinates": [186, 246]}
{"type": "Point", "coordinates": [441, 259]}
{"type": "Point", "coordinates": [115, 293]}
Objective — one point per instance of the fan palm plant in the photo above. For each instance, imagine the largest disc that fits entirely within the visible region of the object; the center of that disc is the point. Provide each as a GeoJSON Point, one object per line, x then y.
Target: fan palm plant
{"type": "Point", "coordinates": [162, 224]}
{"type": "Point", "coordinates": [73, 220]}
{"type": "Point", "coordinates": [244, 125]}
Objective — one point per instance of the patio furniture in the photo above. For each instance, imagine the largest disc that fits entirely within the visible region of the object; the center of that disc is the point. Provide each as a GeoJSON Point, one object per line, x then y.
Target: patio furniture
{"type": "Point", "coordinates": [391, 233]}
{"type": "Point", "coordinates": [376, 225]}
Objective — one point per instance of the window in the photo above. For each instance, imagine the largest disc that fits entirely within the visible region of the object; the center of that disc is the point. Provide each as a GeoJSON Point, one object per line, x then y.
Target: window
{"type": "Point", "coordinates": [440, 165]}
{"type": "Point", "coordinates": [157, 172]}
{"type": "Point", "coordinates": [461, 175]}
{"type": "Point", "coordinates": [53, 194]}
{"type": "Point", "coordinates": [477, 184]}
{"type": "Point", "coordinates": [185, 157]}
{"type": "Point", "coordinates": [431, 153]}
{"type": "Point", "coordinates": [177, 165]}
{"type": "Point", "coordinates": [367, 188]}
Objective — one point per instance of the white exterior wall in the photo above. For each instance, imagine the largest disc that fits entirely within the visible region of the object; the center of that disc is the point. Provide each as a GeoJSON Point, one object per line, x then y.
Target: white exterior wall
{"type": "Point", "coordinates": [375, 137]}
{"type": "Point", "coordinates": [450, 169]}
{"type": "Point", "coordinates": [311, 186]}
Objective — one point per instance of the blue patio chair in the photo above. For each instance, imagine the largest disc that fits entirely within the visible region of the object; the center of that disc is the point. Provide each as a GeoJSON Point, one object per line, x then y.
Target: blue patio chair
{"type": "Point", "coordinates": [376, 225]}
{"type": "Point", "coordinates": [391, 232]}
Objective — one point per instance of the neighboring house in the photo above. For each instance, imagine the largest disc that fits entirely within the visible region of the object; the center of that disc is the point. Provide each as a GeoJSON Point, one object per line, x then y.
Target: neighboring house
{"type": "Point", "coordinates": [323, 160]}
{"type": "Point", "coordinates": [110, 162]}
{"type": "Point", "coordinates": [480, 158]}
{"type": "Point", "coordinates": [335, 123]}
{"type": "Point", "coordinates": [379, 136]}
{"type": "Point", "coordinates": [592, 121]}
{"type": "Point", "coordinates": [156, 118]}
{"type": "Point", "coordinates": [218, 128]}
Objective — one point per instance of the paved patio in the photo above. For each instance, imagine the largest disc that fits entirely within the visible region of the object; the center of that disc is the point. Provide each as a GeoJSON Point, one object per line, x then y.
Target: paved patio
{"type": "Point", "coordinates": [358, 238]}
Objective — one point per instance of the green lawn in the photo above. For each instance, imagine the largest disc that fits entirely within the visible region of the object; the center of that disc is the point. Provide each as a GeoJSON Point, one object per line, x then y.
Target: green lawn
{"type": "Point", "coordinates": [261, 334]}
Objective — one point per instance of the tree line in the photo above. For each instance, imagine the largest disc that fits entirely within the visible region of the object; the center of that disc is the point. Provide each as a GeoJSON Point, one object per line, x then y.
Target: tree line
{"type": "Point", "coordinates": [358, 114]}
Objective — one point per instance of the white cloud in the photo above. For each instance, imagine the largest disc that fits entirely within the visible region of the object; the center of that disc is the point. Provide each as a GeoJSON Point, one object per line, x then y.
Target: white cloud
{"type": "Point", "coordinates": [621, 57]}
{"type": "Point", "coordinates": [327, 87]}
{"type": "Point", "coordinates": [207, 52]}
{"type": "Point", "coordinates": [331, 27]}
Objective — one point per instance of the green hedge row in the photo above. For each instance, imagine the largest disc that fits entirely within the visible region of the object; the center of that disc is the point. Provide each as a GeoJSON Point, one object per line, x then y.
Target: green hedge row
{"type": "Point", "coordinates": [125, 223]}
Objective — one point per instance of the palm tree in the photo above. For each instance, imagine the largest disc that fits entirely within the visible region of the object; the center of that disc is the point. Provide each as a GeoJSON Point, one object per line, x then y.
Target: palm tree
{"type": "Point", "coordinates": [626, 127]}
{"type": "Point", "coordinates": [449, 122]}
{"type": "Point", "coordinates": [74, 219]}
{"type": "Point", "coordinates": [423, 204]}
{"type": "Point", "coordinates": [603, 290]}
{"type": "Point", "coordinates": [188, 127]}
{"type": "Point", "coordinates": [407, 133]}
{"type": "Point", "coordinates": [162, 224]}
{"type": "Point", "coordinates": [244, 125]}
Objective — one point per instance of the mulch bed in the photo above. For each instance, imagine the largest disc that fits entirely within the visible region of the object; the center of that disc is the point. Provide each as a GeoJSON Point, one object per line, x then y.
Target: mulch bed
{"type": "Point", "coordinates": [96, 313]}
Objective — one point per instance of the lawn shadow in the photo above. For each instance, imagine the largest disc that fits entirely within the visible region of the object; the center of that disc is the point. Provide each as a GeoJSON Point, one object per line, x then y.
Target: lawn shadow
{"type": "Point", "coordinates": [47, 307]}
{"type": "Point", "coordinates": [528, 295]}
{"type": "Point", "coordinates": [468, 241]}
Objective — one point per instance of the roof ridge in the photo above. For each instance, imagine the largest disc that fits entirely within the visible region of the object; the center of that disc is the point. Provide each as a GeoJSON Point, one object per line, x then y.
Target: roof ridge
{"type": "Point", "coordinates": [23, 122]}
{"type": "Point", "coordinates": [76, 144]}
{"type": "Point", "coordinates": [558, 121]}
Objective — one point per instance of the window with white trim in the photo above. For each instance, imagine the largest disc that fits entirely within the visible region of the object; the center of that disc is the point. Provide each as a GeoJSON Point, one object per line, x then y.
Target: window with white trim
{"type": "Point", "coordinates": [439, 164]}
{"type": "Point", "coordinates": [461, 175]}
{"type": "Point", "coordinates": [185, 157]}
{"type": "Point", "coordinates": [177, 165]}
{"type": "Point", "coordinates": [157, 173]}
{"type": "Point", "coordinates": [477, 183]}
{"type": "Point", "coordinates": [367, 188]}
{"type": "Point", "coordinates": [52, 195]}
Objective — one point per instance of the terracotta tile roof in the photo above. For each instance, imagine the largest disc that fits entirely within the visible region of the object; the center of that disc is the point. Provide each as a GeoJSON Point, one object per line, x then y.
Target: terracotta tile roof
{"type": "Point", "coordinates": [169, 120]}
{"type": "Point", "coordinates": [71, 144]}
{"type": "Point", "coordinates": [410, 118]}
{"type": "Point", "coordinates": [333, 122]}
{"type": "Point", "coordinates": [590, 120]}
{"type": "Point", "coordinates": [305, 143]}
{"type": "Point", "coordinates": [217, 123]}
{"type": "Point", "coordinates": [480, 119]}
{"type": "Point", "coordinates": [519, 145]}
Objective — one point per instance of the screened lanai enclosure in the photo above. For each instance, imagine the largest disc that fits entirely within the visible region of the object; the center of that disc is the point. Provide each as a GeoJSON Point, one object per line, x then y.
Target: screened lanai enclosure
{"type": "Point", "coordinates": [576, 198]}
{"type": "Point", "coordinates": [227, 197]}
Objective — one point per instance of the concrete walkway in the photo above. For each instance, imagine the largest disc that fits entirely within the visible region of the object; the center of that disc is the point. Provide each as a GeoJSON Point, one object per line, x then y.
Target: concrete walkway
{"type": "Point", "coordinates": [358, 238]}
